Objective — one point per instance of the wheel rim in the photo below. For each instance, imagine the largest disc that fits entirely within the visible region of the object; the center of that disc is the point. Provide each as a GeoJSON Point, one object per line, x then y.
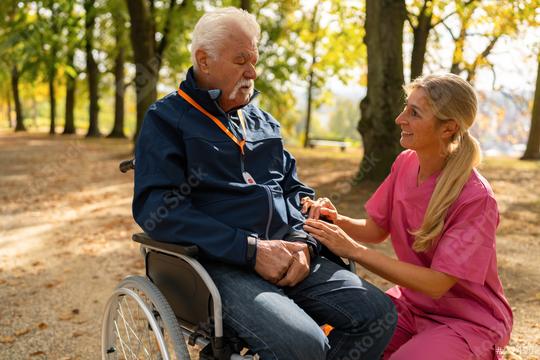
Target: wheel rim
{"type": "Point", "coordinates": [135, 332]}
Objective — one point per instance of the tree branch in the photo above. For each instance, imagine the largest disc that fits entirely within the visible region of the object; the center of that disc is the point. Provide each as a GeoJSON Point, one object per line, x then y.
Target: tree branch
{"type": "Point", "coordinates": [166, 30]}
{"type": "Point", "coordinates": [450, 31]}
{"type": "Point", "coordinates": [442, 20]}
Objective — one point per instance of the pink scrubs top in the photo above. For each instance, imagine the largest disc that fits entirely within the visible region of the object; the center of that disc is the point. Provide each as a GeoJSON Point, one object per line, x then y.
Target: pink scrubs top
{"type": "Point", "coordinates": [475, 307]}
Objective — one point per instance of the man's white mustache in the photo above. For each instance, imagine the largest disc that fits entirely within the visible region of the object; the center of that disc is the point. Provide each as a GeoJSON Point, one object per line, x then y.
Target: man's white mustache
{"type": "Point", "coordinates": [241, 83]}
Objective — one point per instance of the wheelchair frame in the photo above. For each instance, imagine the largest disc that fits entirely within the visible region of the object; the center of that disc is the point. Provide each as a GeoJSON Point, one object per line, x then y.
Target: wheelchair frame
{"type": "Point", "coordinates": [163, 306]}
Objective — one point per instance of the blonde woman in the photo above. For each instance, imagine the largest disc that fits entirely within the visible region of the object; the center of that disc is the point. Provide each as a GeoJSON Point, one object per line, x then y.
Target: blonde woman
{"type": "Point", "coordinates": [441, 215]}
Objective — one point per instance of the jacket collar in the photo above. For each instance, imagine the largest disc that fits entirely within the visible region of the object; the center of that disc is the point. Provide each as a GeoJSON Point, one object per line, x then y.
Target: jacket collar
{"type": "Point", "coordinates": [208, 99]}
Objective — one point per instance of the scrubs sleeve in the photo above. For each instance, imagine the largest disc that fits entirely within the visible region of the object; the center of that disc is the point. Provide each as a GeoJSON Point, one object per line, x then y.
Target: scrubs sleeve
{"type": "Point", "coordinates": [467, 245]}
{"type": "Point", "coordinates": [379, 205]}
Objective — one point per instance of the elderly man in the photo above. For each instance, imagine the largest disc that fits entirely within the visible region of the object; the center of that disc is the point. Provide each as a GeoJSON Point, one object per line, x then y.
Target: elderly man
{"type": "Point", "coordinates": [212, 171]}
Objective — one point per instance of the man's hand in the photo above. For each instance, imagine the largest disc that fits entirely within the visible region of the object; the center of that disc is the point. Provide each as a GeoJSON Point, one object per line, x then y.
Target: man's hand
{"type": "Point", "coordinates": [299, 268]}
{"type": "Point", "coordinates": [273, 259]}
{"type": "Point", "coordinates": [320, 208]}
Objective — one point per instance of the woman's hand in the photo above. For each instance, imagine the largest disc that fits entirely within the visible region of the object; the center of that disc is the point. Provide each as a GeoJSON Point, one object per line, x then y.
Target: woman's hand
{"type": "Point", "coordinates": [333, 237]}
{"type": "Point", "coordinates": [322, 207]}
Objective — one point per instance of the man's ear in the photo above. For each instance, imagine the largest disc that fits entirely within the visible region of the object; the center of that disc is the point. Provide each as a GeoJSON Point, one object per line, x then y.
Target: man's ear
{"type": "Point", "coordinates": [202, 60]}
{"type": "Point", "coordinates": [450, 129]}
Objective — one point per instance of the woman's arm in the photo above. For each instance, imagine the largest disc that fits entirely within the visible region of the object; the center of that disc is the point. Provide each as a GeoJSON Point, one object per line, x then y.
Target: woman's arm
{"type": "Point", "coordinates": [427, 281]}
{"type": "Point", "coordinates": [364, 230]}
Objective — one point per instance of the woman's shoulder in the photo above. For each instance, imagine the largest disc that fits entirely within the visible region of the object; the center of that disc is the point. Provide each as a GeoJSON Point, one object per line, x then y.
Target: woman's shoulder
{"type": "Point", "coordinates": [476, 189]}
{"type": "Point", "coordinates": [405, 157]}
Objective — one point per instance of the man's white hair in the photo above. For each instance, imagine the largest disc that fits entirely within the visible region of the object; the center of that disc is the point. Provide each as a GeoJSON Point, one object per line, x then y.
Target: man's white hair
{"type": "Point", "coordinates": [214, 27]}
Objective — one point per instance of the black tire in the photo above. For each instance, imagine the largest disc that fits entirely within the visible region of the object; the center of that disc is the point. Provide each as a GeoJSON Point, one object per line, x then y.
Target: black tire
{"type": "Point", "coordinates": [131, 332]}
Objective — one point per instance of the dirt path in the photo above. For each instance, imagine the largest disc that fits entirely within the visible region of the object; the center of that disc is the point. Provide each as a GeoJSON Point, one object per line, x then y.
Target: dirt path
{"type": "Point", "coordinates": [65, 225]}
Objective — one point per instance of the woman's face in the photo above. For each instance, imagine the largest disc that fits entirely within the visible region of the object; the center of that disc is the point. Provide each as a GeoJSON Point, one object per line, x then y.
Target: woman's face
{"type": "Point", "coordinates": [420, 130]}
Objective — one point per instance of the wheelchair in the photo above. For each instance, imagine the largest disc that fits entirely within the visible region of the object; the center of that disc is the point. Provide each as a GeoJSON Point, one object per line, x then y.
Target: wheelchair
{"type": "Point", "coordinates": [172, 313]}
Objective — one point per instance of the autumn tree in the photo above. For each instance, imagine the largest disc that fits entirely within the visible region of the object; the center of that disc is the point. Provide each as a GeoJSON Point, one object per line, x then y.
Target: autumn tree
{"type": "Point", "coordinates": [384, 100]}
{"type": "Point", "coordinates": [13, 55]}
{"type": "Point", "coordinates": [92, 70]}
{"type": "Point", "coordinates": [118, 19]}
{"type": "Point", "coordinates": [330, 44]}
{"type": "Point", "coordinates": [74, 37]}
{"type": "Point", "coordinates": [150, 36]}
{"type": "Point", "coordinates": [533, 144]}
{"type": "Point", "coordinates": [50, 45]}
{"type": "Point", "coordinates": [491, 20]}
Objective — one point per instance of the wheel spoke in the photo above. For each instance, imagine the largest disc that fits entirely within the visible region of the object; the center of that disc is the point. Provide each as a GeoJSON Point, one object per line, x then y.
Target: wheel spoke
{"type": "Point", "coordinates": [139, 321]}
{"type": "Point", "coordinates": [121, 341]}
{"type": "Point", "coordinates": [129, 329]}
{"type": "Point", "coordinates": [138, 326]}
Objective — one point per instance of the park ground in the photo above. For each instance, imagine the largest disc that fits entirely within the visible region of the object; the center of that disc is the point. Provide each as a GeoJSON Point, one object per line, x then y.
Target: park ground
{"type": "Point", "coordinates": [65, 228]}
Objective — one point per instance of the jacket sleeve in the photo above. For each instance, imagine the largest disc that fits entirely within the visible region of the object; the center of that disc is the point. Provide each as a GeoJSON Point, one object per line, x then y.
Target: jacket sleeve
{"type": "Point", "coordinates": [293, 192]}
{"type": "Point", "coordinates": [161, 203]}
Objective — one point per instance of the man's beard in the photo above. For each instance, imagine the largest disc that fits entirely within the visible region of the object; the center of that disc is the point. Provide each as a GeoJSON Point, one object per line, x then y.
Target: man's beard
{"type": "Point", "coordinates": [239, 84]}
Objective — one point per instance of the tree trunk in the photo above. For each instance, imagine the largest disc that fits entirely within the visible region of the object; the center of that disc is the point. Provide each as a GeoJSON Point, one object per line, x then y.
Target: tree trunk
{"type": "Point", "coordinates": [384, 99]}
{"type": "Point", "coordinates": [313, 27]}
{"type": "Point", "coordinates": [34, 109]}
{"type": "Point", "coordinates": [118, 128]}
{"type": "Point", "coordinates": [69, 126]}
{"type": "Point", "coordinates": [309, 106]}
{"type": "Point", "coordinates": [457, 57]}
{"type": "Point", "coordinates": [533, 144]}
{"type": "Point", "coordinates": [52, 100]}
{"type": "Point", "coordinates": [246, 5]}
{"type": "Point", "coordinates": [144, 54]}
{"type": "Point", "coordinates": [471, 69]}
{"type": "Point", "coordinates": [19, 117]}
{"type": "Point", "coordinates": [421, 34]}
{"type": "Point", "coordinates": [8, 97]}
{"type": "Point", "coordinates": [92, 70]}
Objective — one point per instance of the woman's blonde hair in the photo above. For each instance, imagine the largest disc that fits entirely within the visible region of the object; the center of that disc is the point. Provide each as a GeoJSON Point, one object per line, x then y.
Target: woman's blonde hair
{"type": "Point", "coordinates": [450, 98]}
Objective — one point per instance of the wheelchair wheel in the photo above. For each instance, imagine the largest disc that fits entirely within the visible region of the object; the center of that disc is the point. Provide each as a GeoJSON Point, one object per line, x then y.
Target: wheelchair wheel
{"type": "Point", "coordinates": [140, 324]}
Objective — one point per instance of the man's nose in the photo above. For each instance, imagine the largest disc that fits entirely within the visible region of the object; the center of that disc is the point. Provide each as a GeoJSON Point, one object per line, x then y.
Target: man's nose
{"type": "Point", "coordinates": [250, 73]}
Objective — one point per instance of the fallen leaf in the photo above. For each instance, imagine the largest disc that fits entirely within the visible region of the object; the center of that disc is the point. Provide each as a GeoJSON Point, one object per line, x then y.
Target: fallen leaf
{"type": "Point", "coordinates": [7, 339]}
{"type": "Point", "coordinates": [37, 353]}
{"type": "Point", "coordinates": [75, 311]}
{"type": "Point", "coordinates": [77, 334]}
{"type": "Point", "coordinates": [21, 332]}
{"type": "Point", "coordinates": [66, 316]}
{"type": "Point", "coordinates": [42, 326]}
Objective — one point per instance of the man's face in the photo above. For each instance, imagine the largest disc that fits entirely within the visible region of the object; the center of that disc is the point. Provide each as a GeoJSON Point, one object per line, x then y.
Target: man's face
{"type": "Point", "coordinates": [233, 70]}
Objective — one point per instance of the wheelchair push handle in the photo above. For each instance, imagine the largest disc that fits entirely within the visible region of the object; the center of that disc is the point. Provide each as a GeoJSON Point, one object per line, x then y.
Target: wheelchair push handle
{"type": "Point", "coordinates": [127, 165]}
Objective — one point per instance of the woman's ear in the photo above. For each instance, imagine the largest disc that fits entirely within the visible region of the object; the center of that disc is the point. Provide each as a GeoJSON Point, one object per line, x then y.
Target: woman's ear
{"type": "Point", "coordinates": [449, 129]}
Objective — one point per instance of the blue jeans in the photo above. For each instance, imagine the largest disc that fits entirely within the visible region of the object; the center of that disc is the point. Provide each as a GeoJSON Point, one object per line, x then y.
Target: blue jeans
{"type": "Point", "coordinates": [284, 323]}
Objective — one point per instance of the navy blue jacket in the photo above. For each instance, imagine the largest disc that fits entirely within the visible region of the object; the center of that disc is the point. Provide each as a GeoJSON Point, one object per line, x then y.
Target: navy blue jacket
{"type": "Point", "coordinates": [189, 186]}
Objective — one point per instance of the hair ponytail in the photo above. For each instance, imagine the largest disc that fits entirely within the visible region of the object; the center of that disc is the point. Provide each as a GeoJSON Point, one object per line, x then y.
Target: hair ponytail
{"type": "Point", "coordinates": [451, 98]}
{"type": "Point", "coordinates": [456, 172]}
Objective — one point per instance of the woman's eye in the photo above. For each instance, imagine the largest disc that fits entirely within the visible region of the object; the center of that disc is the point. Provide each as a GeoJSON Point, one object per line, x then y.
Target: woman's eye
{"type": "Point", "coordinates": [414, 113]}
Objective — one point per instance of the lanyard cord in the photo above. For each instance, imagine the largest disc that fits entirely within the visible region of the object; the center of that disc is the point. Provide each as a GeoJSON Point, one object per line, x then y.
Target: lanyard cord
{"type": "Point", "coordinates": [240, 143]}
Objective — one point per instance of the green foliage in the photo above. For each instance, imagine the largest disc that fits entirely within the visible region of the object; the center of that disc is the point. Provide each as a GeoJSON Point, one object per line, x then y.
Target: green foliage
{"type": "Point", "coordinates": [344, 120]}
{"type": "Point", "coordinates": [330, 41]}
{"type": "Point", "coordinates": [14, 46]}
{"type": "Point", "coordinates": [324, 38]}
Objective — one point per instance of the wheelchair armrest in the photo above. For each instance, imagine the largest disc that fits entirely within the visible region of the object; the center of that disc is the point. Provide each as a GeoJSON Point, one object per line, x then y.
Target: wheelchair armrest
{"type": "Point", "coordinates": [145, 239]}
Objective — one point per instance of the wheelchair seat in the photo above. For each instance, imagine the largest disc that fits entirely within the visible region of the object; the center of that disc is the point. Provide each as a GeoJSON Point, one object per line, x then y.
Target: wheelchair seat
{"type": "Point", "coordinates": [180, 283]}
{"type": "Point", "coordinates": [191, 294]}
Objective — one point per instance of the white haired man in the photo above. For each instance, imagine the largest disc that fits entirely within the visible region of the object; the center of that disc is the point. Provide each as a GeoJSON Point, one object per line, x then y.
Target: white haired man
{"type": "Point", "coordinates": [243, 212]}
